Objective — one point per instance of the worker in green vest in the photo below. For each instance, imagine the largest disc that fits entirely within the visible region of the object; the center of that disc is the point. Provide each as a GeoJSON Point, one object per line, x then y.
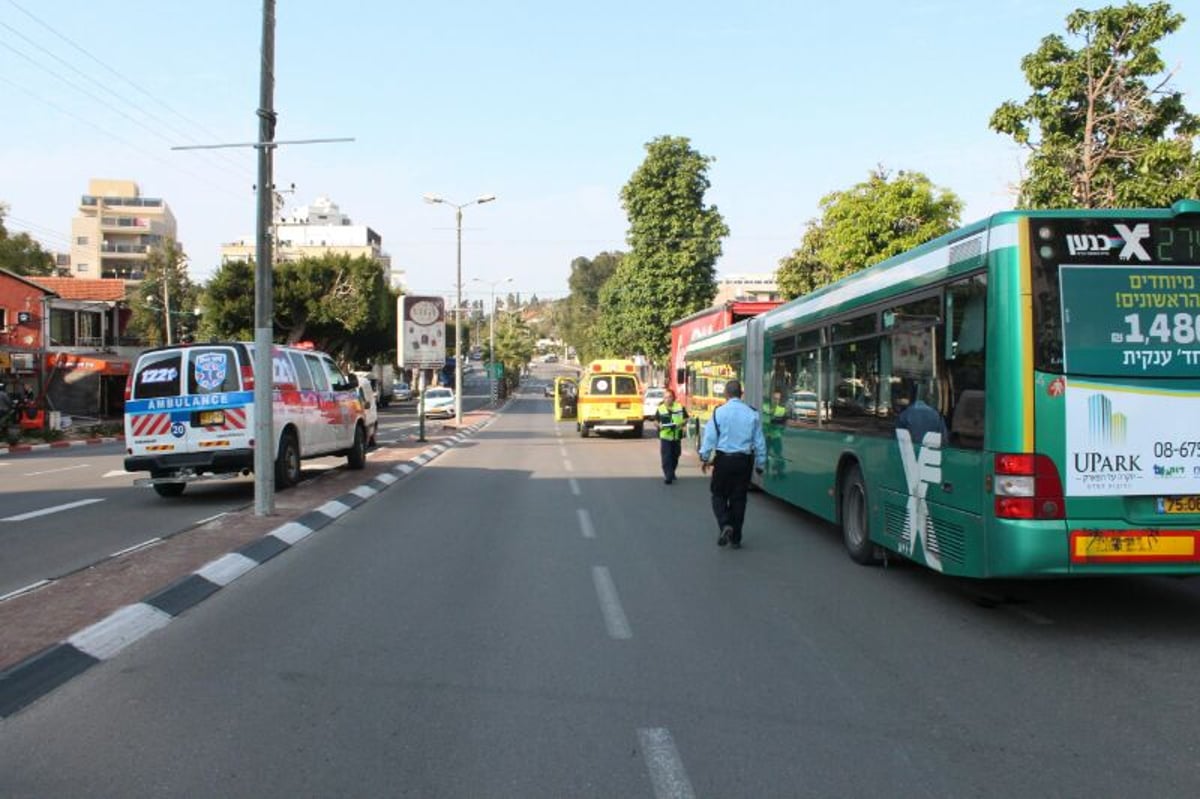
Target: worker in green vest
{"type": "Point", "coordinates": [670, 417]}
{"type": "Point", "coordinates": [774, 420]}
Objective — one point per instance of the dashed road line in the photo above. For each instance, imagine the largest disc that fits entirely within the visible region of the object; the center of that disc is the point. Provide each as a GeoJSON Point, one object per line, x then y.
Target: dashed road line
{"type": "Point", "coordinates": [33, 514]}
{"type": "Point", "coordinates": [585, 523]}
{"type": "Point", "coordinates": [567, 465]}
{"type": "Point", "coordinates": [571, 481]}
{"type": "Point", "coordinates": [55, 471]}
{"type": "Point", "coordinates": [667, 774]}
{"type": "Point", "coordinates": [610, 604]}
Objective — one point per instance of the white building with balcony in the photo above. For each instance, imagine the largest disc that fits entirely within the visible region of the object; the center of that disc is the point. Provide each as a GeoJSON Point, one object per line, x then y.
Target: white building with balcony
{"type": "Point", "coordinates": [115, 229]}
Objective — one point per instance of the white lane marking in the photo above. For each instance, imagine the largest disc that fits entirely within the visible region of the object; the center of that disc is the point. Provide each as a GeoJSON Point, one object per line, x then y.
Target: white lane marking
{"type": "Point", "coordinates": [562, 451]}
{"type": "Point", "coordinates": [117, 473]}
{"type": "Point", "coordinates": [585, 523]}
{"type": "Point", "coordinates": [567, 465]}
{"type": "Point", "coordinates": [53, 471]}
{"type": "Point", "coordinates": [149, 542]}
{"type": "Point", "coordinates": [25, 590]}
{"type": "Point", "coordinates": [666, 768]}
{"type": "Point", "coordinates": [33, 514]}
{"type": "Point", "coordinates": [610, 605]}
{"type": "Point", "coordinates": [224, 570]}
{"type": "Point", "coordinates": [574, 486]}
{"type": "Point", "coordinates": [108, 637]}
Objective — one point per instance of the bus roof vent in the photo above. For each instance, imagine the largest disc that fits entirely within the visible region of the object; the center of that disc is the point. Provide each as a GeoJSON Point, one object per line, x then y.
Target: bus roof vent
{"type": "Point", "coordinates": [966, 249]}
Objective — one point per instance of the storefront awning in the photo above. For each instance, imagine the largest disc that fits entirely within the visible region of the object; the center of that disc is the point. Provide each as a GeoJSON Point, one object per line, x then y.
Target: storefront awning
{"type": "Point", "coordinates": [92, 363]}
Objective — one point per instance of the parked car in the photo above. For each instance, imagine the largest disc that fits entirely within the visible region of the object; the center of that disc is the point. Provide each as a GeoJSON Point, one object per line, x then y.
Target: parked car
{"type": "Point", "coordinates": [651, 400]}
{"type": "Point", "coordinates": [370, 404]}
{"type": "Point", "coordinates": [439, 402]}
{"type": "Point", "coordinates": [551, 358]}
{"type": "Point", "coordinates": [803, 405]}
{"type": "Point", "coordinates": [401, 391]}
{"type": "Point", "coordinates": [548, 390]}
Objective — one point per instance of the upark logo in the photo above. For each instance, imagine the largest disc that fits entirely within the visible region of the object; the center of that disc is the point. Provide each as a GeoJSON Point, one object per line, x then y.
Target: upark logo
{"type": "Point", "coordinates": [1106, 428]}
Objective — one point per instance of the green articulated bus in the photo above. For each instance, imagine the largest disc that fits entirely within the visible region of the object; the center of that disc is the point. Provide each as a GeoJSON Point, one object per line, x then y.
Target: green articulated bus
{"type": "Point", "coordinates": [1018, 398]}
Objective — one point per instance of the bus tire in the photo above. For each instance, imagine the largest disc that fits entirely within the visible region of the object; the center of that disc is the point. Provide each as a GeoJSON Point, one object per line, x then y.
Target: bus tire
{"type": "Point", "coordinates": [356, 458]}
{"type": "Point", "coordinates": [169, 489]}
{"type": "Point", "coordinates": [583, 431]}
{"type": "Point", "coordinates": [637, 430]}
{"type": "Point", "coordinates": [287, 462]}
{"type": "Point", "coordinates": [856, 528]}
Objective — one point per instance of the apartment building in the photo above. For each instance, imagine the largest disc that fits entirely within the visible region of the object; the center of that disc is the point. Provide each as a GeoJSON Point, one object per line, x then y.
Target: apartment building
{"type": "Point", "coordinates": [311, 231]}
{"type": "Point", "coordinates": [115, 229]}
{"type": "Point", "coordinates": [758, 287]}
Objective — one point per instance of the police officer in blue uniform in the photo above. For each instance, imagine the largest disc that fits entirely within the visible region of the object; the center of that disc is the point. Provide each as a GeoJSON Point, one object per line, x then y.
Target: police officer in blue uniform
{"type": "Point", "coordinates": [732, 445]}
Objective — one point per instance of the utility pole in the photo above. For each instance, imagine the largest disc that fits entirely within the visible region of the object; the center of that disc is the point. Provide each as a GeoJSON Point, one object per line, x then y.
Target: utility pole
{"type": "Point", "coordinates": [264, 436]}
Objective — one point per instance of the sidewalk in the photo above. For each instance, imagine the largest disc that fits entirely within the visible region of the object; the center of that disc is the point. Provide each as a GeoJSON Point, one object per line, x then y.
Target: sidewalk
{"type": "Point", "coordinates": [41, 618]}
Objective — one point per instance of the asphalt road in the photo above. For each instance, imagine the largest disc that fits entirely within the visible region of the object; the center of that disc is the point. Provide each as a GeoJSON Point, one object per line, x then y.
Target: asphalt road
{"type": "Point", "coordinates": [536, 615]}
{"type": "Point", "coordinates": [65, 509]}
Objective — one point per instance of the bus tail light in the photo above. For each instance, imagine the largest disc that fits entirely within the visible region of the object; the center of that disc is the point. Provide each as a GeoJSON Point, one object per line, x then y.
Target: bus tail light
{"type": "Point", "coordinates": [1027, 486]}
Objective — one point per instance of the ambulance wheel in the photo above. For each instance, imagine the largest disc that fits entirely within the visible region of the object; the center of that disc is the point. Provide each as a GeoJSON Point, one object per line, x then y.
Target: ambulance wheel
{"type": "Point", "coordinates": [356, 458]}
{"type": "Point", "coordinates": [583, 431]}
{"type": "Point", "coordinates": [856, 530]}
{"type": "Point", "coordinates": [169, 489]}
{"type": "Point", "coordinates": [287, 463]}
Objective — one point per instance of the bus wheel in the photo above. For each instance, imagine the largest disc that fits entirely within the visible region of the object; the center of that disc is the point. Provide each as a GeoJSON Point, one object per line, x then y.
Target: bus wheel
{"type": "Point", "coordinates": [855, 525]}
{"type": "Point", "coordinates": [287, 462]}
{"type": "Point", "coordinates": [637, 430]}
{"type": "Point", "coordinates": [583, 431]}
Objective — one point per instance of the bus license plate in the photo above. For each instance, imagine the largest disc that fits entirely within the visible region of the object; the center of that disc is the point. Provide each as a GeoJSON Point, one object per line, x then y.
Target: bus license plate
{"type": "Point", "coordinates": [212, 417]}
{"type": "Point", "coordinates": [1190, 504]}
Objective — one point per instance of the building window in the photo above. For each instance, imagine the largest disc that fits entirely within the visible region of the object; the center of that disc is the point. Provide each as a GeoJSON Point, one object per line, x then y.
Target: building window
{"type": "Point", "coordinates": [81, 241]}
{"type": "Point", "coordinates": [3, 320]}
{"type": "Point", "coordinates": [81, 268]}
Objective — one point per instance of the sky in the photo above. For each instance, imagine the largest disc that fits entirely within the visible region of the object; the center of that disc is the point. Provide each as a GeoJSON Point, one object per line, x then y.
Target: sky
{"type": "Point", "coordinates": [547, 105]}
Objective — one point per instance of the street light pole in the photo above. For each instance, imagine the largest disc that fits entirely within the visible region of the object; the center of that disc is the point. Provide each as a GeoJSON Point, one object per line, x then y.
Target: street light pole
{"type": "Point", "coordinates": [492, 336]}
{"type": "Point", "coordinates": [458, 370]}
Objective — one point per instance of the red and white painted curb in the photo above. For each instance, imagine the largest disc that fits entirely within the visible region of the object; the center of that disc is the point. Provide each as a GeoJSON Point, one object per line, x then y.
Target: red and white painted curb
{"type": "Point", "coordinates": [15, 449]}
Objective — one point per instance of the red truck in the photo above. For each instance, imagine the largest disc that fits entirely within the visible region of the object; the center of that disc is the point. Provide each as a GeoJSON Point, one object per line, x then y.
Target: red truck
{"type": "Point", "coordinates": [703, 323]}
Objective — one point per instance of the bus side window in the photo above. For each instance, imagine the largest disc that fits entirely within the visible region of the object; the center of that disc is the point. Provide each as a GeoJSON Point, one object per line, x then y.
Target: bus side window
{"type": "Point", "coordinates": [965, 360]}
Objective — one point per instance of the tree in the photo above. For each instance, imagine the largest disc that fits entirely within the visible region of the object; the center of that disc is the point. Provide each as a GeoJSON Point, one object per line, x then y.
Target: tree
{"type": "Point", "coordinates": [1103, 127]}
{"type": "Point", "coordinates": [515, 345]}
{"type": "Point", "coordinates": [20, 253]}
{"type": "Point", "coordinates": [342, 304]}
{"type": "Point", "coordinates": [674, 242]}
{"type": "Point", "coordinates": [866, 224]}
{"type": "Point", "coordinates": [164, 296]}
{"type": "Point", "coordinates": [580, 312]}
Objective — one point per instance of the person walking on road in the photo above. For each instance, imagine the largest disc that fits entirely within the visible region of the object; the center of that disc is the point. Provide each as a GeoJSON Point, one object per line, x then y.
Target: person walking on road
{"type": "Point", "coordinates": [732, 445]}
{"type": "Point", "coordinates": [670, 417]}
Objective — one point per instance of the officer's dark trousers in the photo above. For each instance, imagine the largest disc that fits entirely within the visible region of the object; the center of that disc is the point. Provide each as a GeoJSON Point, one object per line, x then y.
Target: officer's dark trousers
{"type": "Point", "coordinates": [730, 482]}
{"type": "Point", "coordinates": [669, 451]}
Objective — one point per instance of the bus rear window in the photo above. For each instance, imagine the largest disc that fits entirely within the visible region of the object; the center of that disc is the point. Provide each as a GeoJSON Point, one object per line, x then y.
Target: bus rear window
{"type": "Point", "coordinates": [158, 376]}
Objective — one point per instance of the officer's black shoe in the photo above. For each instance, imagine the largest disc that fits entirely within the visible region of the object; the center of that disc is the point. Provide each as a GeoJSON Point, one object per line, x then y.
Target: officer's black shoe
{"type": "Point", "coordinates": [736, 545]}
{"type": "Point", "coordinates": [726, 532]}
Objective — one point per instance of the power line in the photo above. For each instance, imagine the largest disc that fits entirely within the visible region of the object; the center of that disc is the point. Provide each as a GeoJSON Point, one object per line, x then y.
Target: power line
{"type": "Point", "coordinates": [237, 165]}
{"type": "Point", "coordinates": [33, 227]}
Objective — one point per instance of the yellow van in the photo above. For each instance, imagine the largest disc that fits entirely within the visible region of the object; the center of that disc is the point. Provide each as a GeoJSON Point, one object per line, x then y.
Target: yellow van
{"type": "Point", "coordinates": [610, 398]}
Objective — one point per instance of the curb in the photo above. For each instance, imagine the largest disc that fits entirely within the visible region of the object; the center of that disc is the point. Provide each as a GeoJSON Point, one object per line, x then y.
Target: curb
{"type": "Point", "coordinates": [14, 449]}
{"type": "Point", "coordinates": [39, 674]}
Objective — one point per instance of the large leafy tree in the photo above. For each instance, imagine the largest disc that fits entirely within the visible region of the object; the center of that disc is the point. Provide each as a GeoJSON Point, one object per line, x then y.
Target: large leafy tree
{"type": "Point", "coordinates": [674, 242]}
{"type": "Point", "coordinates": [580, 312]}
{"type": "Point", "coordinates": [867, 223]}
{"type": "Point", "coordinates": [164, 296]}
{"type": "Point", "coordinates": [515, 345]}
{"type": "Point", "coordinates": [20, 254]}
{"type": "Point", "coordinates": [342, 304]}
{"type": "Point", "coordinates": [1103, 127]}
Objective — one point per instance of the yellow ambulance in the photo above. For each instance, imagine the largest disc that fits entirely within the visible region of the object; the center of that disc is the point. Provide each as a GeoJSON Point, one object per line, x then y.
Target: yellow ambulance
{"type": "Point", "coordinates": [610, 398]}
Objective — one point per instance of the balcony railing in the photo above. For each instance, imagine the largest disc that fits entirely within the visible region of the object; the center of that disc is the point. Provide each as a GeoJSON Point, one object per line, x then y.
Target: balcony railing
{"type": "Point", "coordinates": [133, 202]}
{"type": "Point", "coordinates": [124, 249]}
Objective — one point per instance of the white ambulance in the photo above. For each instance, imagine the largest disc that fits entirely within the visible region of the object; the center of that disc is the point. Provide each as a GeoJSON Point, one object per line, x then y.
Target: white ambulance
{"type": "Point", "coordinates": [189, 414]}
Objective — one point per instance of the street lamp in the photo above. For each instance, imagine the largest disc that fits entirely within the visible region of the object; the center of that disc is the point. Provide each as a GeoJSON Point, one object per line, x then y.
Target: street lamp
{"type": "Point", "coordinates": [435, 199]}
{"type": "Point", "coordinates": [492, 335]}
